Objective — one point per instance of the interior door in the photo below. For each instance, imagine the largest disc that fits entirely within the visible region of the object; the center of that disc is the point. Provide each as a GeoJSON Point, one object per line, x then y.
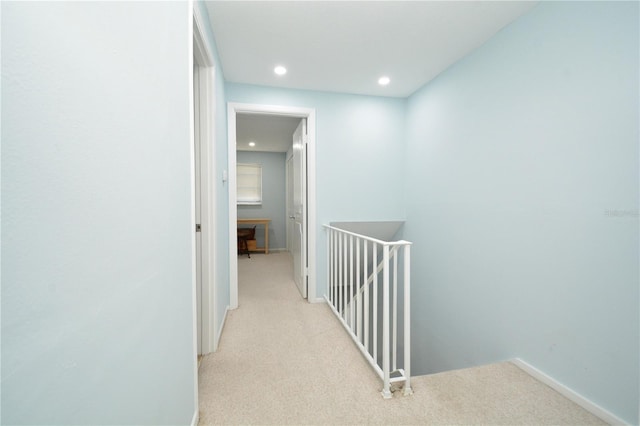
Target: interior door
{"type": "Point", "coordinates": [299, 248]}
{"type": "Point", "coordinates": [290, 211]}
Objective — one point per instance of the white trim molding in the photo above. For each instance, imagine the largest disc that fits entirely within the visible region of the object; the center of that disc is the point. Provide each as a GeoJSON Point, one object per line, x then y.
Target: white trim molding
{"type": "Point", "coordinates": [205, 74]}
{"type": "Point", "coordinates": [202, 42]}
{"type": "Point", "coordinates": [216, 342]}
{"type": "Point", "coordinates": [288, 111]}
{"type": "Point", "coordinates": [196, 418]}
{"type": "Point", "coordinates": [568, 393]}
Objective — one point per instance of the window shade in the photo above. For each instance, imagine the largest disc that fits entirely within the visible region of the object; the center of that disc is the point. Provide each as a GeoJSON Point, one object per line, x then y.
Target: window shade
{"type": "Point", "coordinates": [249, 183]}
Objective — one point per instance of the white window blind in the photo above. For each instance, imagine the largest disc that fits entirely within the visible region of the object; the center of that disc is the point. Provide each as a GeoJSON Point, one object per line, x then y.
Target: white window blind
{"type": "Point", "coordinates": [249, 183]}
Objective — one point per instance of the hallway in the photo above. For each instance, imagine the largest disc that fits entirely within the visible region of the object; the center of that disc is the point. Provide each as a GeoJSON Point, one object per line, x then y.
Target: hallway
{"type": "Point", "coordinates": [282, 360]}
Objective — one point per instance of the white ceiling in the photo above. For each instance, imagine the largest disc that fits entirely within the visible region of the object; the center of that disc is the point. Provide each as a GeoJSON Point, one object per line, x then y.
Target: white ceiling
{"type": "Point", "coordinates": [345, 46]}
{"type": "Point", "coordinates": [270, 133]}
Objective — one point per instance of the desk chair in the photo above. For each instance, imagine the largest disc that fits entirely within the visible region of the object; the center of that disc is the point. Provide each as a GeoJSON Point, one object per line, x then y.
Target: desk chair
{"type": "Point", "coordinates": [245, 234]}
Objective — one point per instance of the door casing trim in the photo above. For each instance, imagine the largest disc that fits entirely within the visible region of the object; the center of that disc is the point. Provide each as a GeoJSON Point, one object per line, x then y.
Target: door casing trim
{"type": "Point", "coordinates": [234, 108]}
{"type": "Point", "coordinates": [203, 61]}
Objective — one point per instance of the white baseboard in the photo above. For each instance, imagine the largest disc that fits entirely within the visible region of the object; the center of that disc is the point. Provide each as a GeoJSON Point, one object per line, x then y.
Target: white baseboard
{"type": "Point", "coordinates": [277, 250]}
{"type": "Point", "coordinates": [316, 299]}
{"type": "Point", "coordinates": [196, 418]}
{"type": "Point", "coordinates": [568, 393]}
{"type": "Point", "coordinates": [271, 250]}
{"type": "Point", "coordinates": [219, 335]}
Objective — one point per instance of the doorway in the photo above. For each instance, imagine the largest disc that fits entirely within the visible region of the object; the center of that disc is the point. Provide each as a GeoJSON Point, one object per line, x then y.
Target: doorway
{"type": "Point", "coordinates": [308, 209]}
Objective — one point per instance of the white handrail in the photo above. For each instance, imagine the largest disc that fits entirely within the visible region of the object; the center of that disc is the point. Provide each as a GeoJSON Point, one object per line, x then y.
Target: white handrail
{"type": "Point", "coordinates": [373, 240]}
{"type": "Point", "coordinates": [348, 295]}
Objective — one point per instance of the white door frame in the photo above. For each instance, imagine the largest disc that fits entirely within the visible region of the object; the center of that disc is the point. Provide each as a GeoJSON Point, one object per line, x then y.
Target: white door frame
{"type": "Point", "coordinates": [205, 74]}
{"type": "Point", "coordinates": [287, 111]}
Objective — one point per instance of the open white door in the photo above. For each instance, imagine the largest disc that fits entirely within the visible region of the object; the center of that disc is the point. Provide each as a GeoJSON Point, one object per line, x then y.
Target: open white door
{"type": "Point", "coordinates": [299, 249]}
{"type": "Point", "coordinates": [289, 196]}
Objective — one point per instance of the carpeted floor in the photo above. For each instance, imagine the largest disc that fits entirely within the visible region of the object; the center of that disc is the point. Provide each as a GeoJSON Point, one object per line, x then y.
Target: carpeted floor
{"type": "Point", "coordinates": [284, 361]}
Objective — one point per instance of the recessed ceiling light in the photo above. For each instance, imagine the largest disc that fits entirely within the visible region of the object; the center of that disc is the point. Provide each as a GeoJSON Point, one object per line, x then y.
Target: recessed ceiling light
{"type": "Point", "coordinates": [252, 144]}
{"type": "Point", "coordinates": [280, 70]}
{"type": "Point", "coordinates": [383, 81]}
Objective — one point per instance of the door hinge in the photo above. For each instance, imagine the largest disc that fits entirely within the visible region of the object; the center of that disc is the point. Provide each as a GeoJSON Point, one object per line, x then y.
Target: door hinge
{"type": "Point", "coordinates": [198, 227]}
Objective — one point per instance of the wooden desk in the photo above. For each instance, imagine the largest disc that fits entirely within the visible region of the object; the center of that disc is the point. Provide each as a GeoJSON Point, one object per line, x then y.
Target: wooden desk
{"type": "Point", "coordinates": [264, 222]}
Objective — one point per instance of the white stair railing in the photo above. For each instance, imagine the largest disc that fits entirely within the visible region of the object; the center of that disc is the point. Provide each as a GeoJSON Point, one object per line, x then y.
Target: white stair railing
{"type": "Point", "coordinates": [355, 278]}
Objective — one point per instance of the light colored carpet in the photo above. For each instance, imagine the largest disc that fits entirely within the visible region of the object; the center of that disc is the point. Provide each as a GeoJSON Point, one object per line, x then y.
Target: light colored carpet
{"type": "Point", "coordinates": [284, 361]}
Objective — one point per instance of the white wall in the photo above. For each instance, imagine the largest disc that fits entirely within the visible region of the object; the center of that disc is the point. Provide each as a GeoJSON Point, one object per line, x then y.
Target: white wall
{"type": "Point", "coordinates": [97, 317]}
{"type": "Point", "coordinates": [522, 203]}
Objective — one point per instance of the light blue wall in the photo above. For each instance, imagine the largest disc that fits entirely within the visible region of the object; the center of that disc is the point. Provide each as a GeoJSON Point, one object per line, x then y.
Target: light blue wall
{"type": "Point", "coordinates": [359, 155]}
{"type": "Point", "coordinates": [97, 305]}
{"type": "Point", "coordinates": [522, 202]}
{"type": "Point", "coordinates": [221, 297]}
{"type": "Point", "coordinates": [273, 196]}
